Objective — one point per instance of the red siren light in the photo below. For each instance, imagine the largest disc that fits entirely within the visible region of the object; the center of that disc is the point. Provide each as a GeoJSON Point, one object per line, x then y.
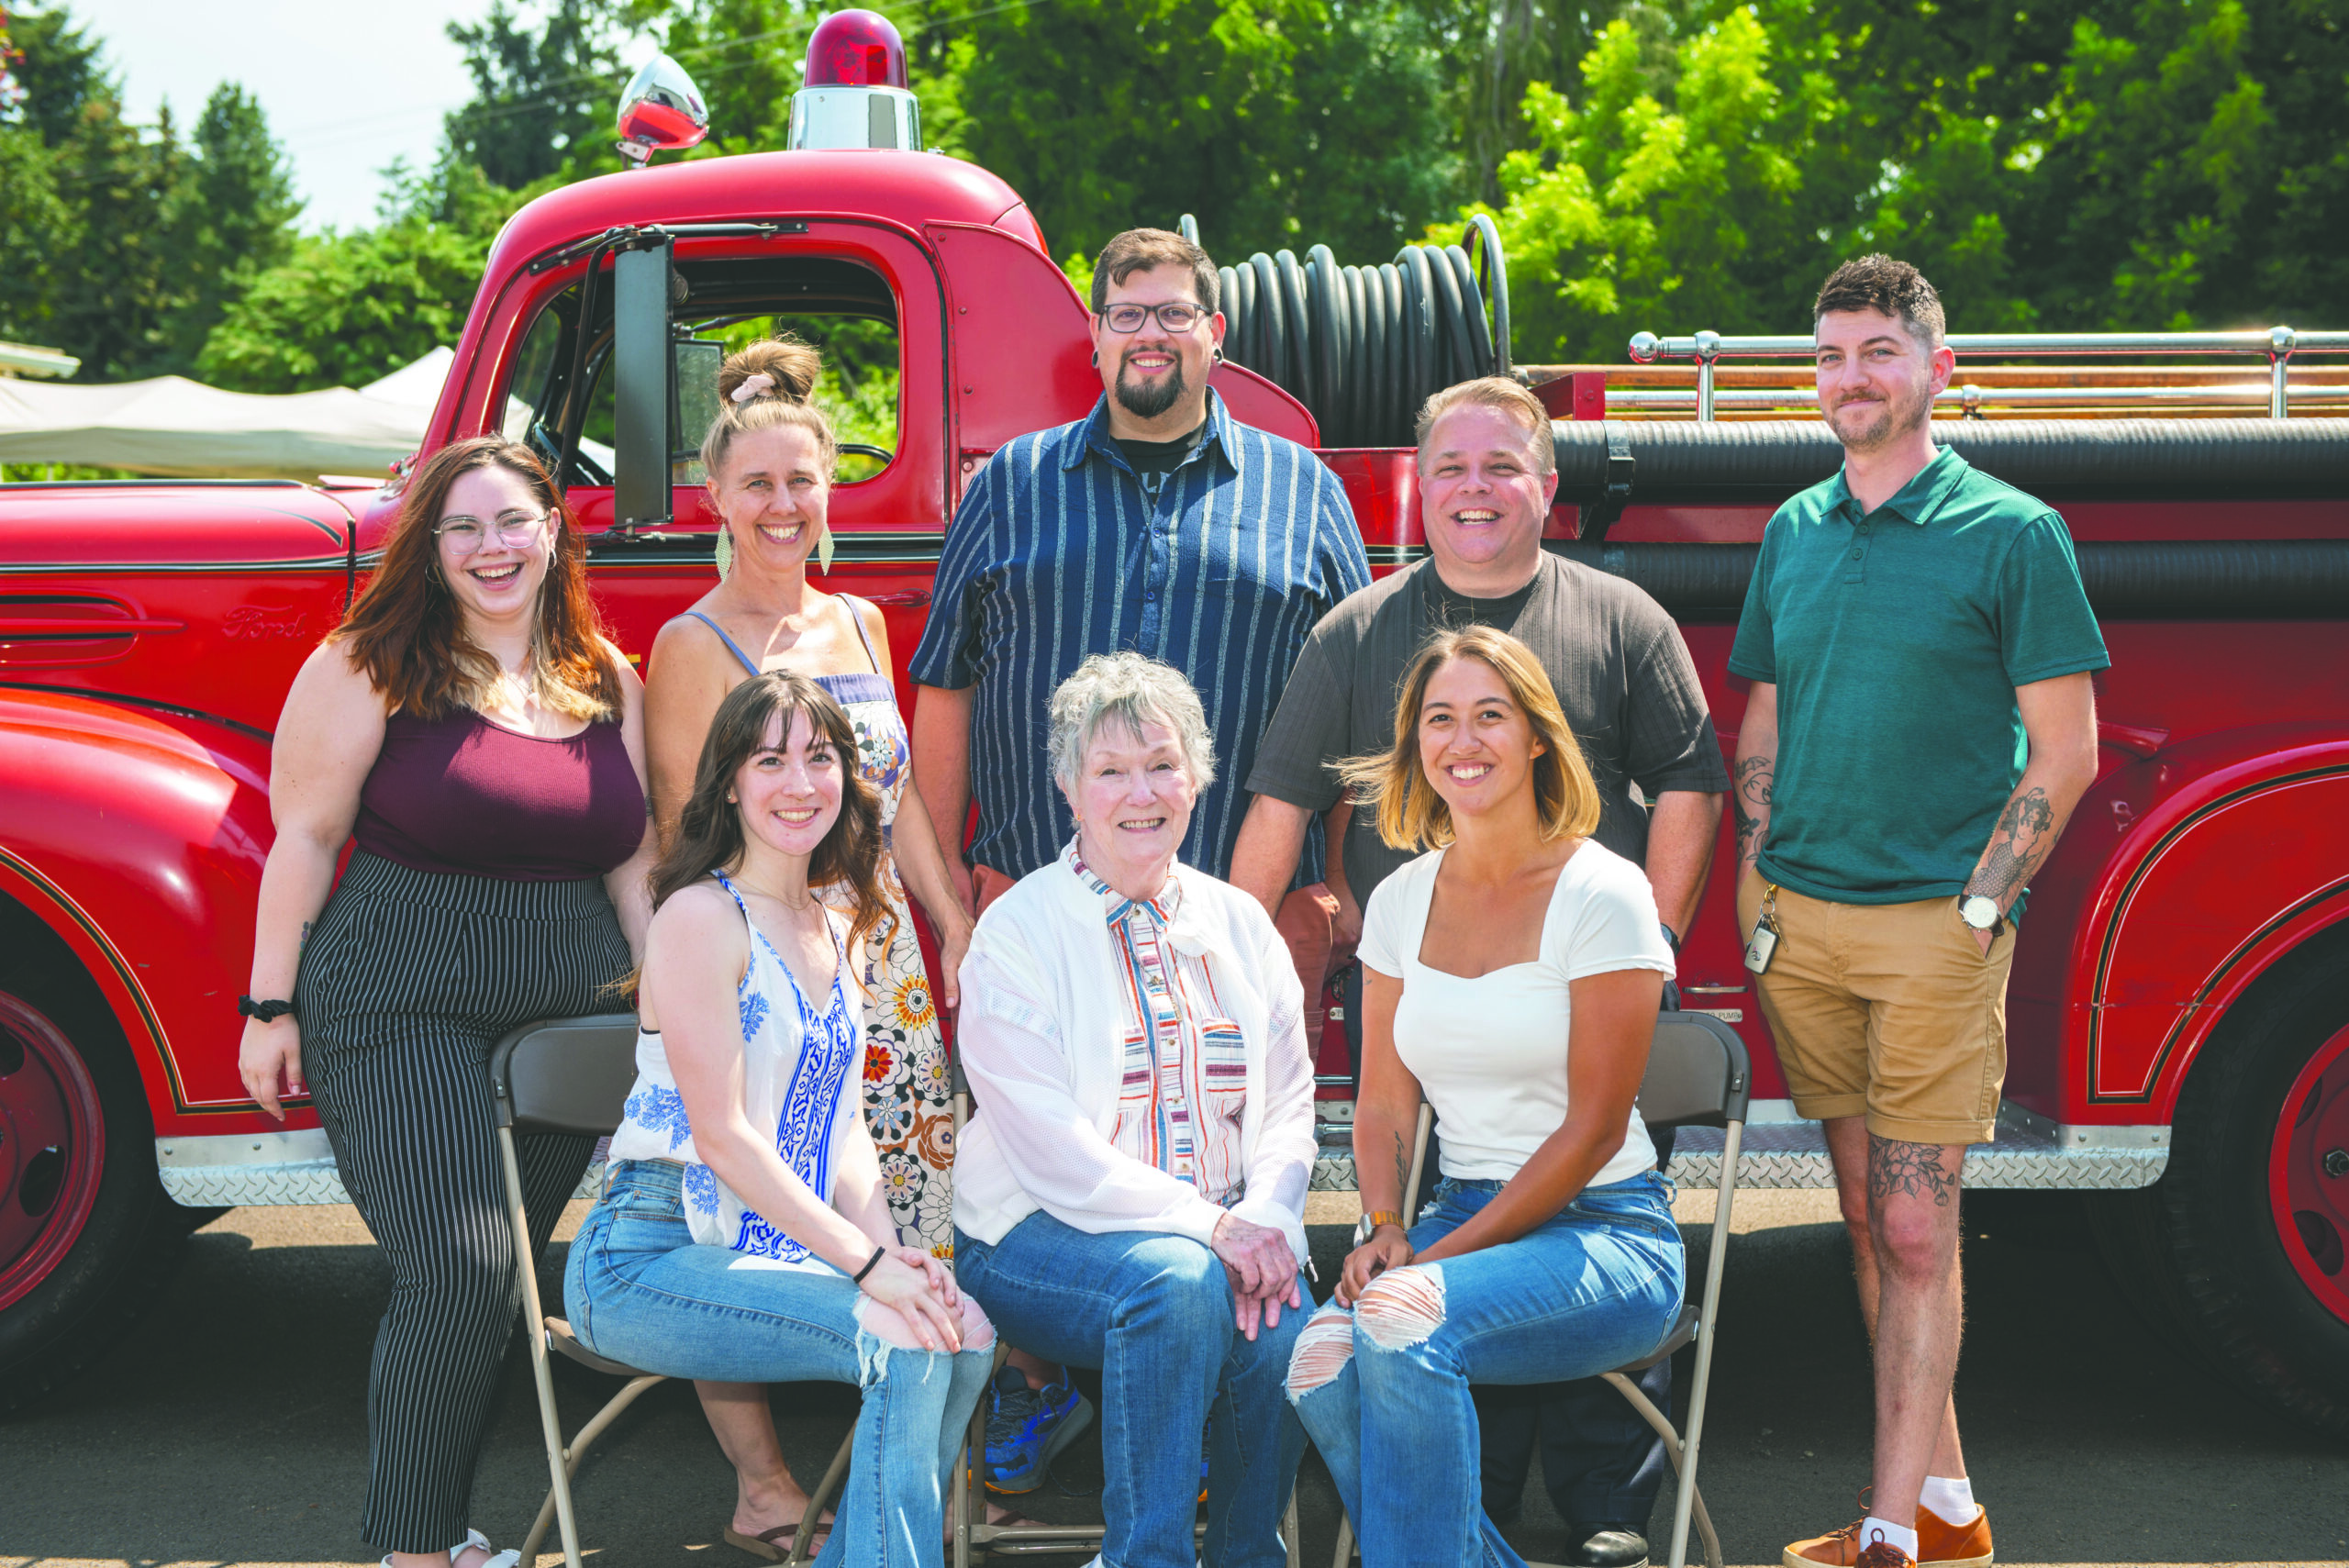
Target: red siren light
{"type": "Point", "coordinates": [855, 48]}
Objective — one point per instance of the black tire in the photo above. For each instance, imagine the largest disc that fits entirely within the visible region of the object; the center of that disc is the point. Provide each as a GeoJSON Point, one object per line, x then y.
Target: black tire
{"type": "Point", "coordinates": [117, 1265]}
{"type": "Point", "coordinates": [2199, 1251]}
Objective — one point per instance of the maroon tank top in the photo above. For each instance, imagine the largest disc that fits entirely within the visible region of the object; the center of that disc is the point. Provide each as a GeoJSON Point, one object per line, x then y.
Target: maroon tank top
{"type": "Point", "coordinates": [460, 795]}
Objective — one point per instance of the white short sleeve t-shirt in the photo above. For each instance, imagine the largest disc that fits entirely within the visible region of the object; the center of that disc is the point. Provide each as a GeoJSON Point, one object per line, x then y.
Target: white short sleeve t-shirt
{"type": "Point", "coordinates": [1491, 1053]}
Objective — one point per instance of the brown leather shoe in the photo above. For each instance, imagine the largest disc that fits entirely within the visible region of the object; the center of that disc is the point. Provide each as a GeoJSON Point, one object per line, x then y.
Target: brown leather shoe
{"type": "Point", "coordinates": [1940, 1544]}
{"type": "Point", "coordinates": [1838, 1549]}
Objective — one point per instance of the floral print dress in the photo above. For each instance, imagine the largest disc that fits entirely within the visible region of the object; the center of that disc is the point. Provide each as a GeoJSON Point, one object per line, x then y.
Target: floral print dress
{"type": "Point", "coordinates": [908, 1092]}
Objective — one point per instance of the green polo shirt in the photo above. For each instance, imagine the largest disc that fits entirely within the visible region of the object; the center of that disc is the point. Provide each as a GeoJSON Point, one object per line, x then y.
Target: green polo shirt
{"type": "Point", "coordinates": [1897, 640]}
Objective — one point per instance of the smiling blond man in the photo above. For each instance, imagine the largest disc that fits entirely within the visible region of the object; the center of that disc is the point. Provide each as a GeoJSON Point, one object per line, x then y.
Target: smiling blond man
{"type": "Point", "coordinates": [1488, 476]}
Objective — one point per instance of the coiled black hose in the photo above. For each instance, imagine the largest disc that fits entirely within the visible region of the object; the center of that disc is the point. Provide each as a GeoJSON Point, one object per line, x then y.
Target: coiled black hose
{"type": "Point", "coordinates": [1363, 347]}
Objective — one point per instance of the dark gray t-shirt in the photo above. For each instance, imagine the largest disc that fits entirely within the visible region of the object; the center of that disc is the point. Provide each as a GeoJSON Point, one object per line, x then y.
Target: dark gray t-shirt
{"type": "Point", "coordinates": [1622, 675]}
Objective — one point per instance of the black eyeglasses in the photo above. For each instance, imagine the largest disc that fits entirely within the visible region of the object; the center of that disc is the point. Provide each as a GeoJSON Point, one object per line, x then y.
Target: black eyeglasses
{"type": "Point", "coordinates": [1174, 315]}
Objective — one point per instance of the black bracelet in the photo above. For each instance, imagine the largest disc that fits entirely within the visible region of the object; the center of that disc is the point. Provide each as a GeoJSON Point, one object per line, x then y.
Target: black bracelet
{"type": "Point", "coordinates": [878, 1253]}
{"type": "Point", "coordinates": [267, 1012]}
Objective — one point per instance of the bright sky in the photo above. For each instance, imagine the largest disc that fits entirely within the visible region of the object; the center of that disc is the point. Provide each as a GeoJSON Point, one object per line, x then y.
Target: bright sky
{"type": "Point", "coordinates": [347, 87]}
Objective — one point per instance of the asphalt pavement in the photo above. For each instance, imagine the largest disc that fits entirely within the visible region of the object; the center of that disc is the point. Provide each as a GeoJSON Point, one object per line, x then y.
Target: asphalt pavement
{"type": "Point", "coordinates": [230, 1428]}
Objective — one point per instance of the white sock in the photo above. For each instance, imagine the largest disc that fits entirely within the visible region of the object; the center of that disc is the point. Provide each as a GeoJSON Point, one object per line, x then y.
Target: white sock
{"type": "Point", "coordinates": [1871, 1529]}
{"type": "Point", "coordinates": [1951, 1499]}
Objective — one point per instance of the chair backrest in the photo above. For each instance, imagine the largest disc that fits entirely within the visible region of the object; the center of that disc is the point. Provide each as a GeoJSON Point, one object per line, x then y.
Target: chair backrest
{"type": "Point", "coordinates": [1698, 1074]}
{"type": "Point", "coordinates": [566, 1075]}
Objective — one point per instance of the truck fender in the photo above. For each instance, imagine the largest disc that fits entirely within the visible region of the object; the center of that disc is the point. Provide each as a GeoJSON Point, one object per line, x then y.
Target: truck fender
{"type": "Point", "coordinates": [2235, 853]}
{"type": "Point", "coordinates": [137, 835]}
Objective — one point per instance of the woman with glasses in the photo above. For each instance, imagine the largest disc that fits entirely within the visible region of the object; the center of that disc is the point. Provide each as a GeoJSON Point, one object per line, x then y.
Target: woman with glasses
{"type": "Point", "coordinates": [469, 728]}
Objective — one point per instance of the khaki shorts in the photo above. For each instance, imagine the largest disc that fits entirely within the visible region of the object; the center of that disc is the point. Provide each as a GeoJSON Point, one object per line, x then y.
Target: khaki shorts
{"type": "Point", "coordinates": [1891, 1010]}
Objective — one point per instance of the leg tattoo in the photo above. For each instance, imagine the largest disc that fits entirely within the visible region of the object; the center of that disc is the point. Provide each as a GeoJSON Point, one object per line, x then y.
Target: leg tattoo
{"type": "Point", "coordinates": [1896, 1168]}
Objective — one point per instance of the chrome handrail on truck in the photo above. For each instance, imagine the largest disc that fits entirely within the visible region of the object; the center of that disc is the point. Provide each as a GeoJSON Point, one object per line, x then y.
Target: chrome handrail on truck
{"type": "Point", "coordinates": [2278, 344]}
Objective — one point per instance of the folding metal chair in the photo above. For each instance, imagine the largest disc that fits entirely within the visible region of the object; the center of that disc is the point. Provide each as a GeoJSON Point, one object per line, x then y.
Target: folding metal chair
{"type": "Point", "coordinates": [1698, 1075]}
{"type": "Point", "coordinates": [572, 1075]}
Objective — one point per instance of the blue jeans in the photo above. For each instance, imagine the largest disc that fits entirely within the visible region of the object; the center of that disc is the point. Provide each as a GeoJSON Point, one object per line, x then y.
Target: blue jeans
{"type": "Point", "coordinates": [1154, 1313]}
{"type": "Point", "coordinates": [1383, 1387]}
{"type": "Point", "coordinates": [639, 1290]}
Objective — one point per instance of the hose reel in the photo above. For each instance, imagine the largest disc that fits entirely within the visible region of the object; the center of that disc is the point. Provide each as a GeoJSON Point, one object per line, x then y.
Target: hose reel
{"type": "Point", "coordinates": [1363, 347]}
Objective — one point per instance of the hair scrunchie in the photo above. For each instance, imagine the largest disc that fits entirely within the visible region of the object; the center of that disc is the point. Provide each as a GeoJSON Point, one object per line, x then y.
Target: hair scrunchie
{"type": "Point", "coordinates": [756, 385]}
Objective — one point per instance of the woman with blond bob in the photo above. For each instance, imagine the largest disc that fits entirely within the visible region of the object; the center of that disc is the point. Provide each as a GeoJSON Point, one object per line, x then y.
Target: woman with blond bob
{"type": "Point", "coordinates": [470, 732]}
{"type": "Point", "coordinates": [1511, 977]}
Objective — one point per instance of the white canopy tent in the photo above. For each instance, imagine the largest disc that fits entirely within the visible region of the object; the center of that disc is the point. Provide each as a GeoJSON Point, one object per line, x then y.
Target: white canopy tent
{"type": "Point", "coordinates": [182, 428]}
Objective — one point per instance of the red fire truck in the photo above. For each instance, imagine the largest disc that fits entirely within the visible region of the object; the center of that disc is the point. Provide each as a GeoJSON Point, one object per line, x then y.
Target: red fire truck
{"type": "Point", "coordinates": [2179, 1011]}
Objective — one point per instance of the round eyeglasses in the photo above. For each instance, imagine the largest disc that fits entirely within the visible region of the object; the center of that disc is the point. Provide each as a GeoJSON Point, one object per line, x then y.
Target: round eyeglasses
{"type": "Point", "coordinates": [515, 530]}
{"type": "Point", "coordinates": [1174, 315]}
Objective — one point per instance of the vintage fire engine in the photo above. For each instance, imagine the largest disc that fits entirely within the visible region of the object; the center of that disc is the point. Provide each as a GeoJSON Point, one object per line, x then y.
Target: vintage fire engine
{"type": "Point", "coordinates": [2179, 1010]}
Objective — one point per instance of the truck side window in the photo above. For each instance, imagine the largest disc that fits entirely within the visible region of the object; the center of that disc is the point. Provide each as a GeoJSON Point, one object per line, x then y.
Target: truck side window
{"type": "Point", "coordinates": [843, 309]}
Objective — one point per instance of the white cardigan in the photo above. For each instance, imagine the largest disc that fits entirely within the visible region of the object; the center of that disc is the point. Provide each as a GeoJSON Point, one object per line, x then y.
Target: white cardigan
{"type": "Point", "coordinates": [1041, 1038]}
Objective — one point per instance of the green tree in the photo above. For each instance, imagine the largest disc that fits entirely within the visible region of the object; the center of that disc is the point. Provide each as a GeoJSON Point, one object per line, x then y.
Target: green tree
{"type": "Point", "coordinates": [348, 308]}
{"type": "Point", "coordinates": [1626, 214]}
{"type": "Point", "coordinates": [1276, 122]}
{"type": "Point", "coordinates": [231, 215]}
{"type": "Point", "coordinates": [541, 97]}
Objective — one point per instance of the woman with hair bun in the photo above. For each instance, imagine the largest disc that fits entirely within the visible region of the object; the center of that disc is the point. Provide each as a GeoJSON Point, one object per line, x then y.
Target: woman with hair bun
{"type": "Point", "coordinates": [769, 457]}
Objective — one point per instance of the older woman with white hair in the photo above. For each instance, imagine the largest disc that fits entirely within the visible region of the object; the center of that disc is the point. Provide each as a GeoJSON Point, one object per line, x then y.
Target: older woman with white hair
{"type": "Point", "coordinates": [1130, 1194]}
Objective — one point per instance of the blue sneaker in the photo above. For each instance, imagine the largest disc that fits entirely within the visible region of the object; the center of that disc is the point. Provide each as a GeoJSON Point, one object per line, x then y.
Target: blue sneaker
{"type": "Point", "coordinates": [1027, 1427]}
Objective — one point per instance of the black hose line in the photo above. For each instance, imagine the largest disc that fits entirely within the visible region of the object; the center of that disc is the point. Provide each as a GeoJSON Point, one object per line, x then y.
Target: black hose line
{"type": "Point", "coordinates": [1363, 347]}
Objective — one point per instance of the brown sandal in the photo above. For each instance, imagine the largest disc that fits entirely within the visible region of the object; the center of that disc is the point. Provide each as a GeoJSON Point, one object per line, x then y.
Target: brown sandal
{"type": "Point", "coordinates": [774, 1545]}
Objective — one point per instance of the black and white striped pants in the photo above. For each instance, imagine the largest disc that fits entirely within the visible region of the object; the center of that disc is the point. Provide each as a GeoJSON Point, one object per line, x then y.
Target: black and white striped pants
{"type": "Point", "coordinates": [407, 983]}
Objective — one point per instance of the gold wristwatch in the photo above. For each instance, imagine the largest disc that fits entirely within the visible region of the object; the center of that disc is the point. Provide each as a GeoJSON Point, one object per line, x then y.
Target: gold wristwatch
{"type": "Point", "coordinates": [1367, 1227]}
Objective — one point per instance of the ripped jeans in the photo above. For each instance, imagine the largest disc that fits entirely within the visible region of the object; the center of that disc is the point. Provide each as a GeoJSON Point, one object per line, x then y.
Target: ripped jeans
{"type": "Point", "coordinates": [640, 1290]}
{"type": "Point", "coordinates": [1383, 1387]}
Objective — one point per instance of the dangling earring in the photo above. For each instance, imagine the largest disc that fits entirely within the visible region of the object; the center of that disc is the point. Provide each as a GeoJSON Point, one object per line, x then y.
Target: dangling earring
{"type": "Point", "coordinates": [824, 546]}
{"type": "Point", "coordinates": [724, 551]}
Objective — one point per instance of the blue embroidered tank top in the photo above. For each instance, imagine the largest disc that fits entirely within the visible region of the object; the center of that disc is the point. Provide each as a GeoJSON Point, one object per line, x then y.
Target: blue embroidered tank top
{"type": "Point", "coordinates": [799, 1079]}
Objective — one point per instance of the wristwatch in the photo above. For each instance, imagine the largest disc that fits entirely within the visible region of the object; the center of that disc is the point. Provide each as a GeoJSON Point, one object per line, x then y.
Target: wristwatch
{"type": "Point", "coordinates": [1367, 1226]}
{"type": "Point", "coordinates": [1981, 913]}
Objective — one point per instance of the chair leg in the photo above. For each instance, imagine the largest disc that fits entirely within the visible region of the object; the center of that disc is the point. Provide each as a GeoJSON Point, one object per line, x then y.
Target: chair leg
{"type": "Point", "coordinates": [1345, 1540]}
{"type": "Point", "coordinates": [1673, 1451]}
{"type": "Point", "coordinates": [818, 1501]}
{"type": "Point", "coordinates": [1709, 1314]}
{"type": "Point", "coordinates": [577, 1452]}
{"type": "Point", "coordinates": [534, 1324]}
{"type": "Point", "coordinates": [1292, 1533]}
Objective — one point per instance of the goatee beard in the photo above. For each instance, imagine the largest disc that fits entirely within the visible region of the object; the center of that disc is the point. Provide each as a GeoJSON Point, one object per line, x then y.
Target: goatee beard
{"type": "Point", "coordinates": [1149, 399]}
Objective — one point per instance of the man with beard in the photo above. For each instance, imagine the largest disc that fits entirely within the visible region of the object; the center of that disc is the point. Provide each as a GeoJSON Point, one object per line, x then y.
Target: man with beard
{"type": "Point", "coordinates": [1921, 724]}
{"type": "Point", "coordinates": [1160, 524]}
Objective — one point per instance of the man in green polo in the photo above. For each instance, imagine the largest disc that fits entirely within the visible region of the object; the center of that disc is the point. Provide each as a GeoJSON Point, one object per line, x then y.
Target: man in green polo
{"type": "Point", "coordinates": [1922, 723]}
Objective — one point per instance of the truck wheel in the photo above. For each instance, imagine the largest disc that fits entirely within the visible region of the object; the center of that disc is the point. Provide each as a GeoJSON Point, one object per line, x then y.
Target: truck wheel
{"type": "Point", "coordinates": [2240, 1248]}
{"type": "Point", "coordinates": [86, 1233]}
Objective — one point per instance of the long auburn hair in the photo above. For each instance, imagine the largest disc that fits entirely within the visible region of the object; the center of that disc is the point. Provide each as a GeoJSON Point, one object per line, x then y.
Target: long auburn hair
{"type": "Point", "coordinates": [407, 632]}
{"type": "Point", "coordinates": [1411, 815]}
{"type": "Point", "coordinates": [709, 828]}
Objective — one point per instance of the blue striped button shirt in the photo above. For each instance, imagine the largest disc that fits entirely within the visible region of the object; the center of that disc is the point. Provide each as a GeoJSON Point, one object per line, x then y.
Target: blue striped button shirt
{"type": "Point", "coordinates": [1058, 552]}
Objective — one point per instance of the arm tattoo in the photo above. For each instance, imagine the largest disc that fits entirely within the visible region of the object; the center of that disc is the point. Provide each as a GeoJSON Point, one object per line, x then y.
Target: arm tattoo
{"type": "Point", "coordinates": [1752, 803]}
{"type": "Point", "coordinates": [2025, 833]}
{"type": "Point", "coordinates": [1402, 1173]}
{"type": "Point", "coordinates": [1897, 1169]}
{"type": "Point", "coordinates": [304, 940]}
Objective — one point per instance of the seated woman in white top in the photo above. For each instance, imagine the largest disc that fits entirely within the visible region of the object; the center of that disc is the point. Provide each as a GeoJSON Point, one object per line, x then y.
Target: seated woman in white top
{"type": "Point", "coordinates": [1131, 1193]}
{"type": "Point", "coordinates": [744, 1235]}
{"type": "Point", "coordinates": [1511, 976]}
